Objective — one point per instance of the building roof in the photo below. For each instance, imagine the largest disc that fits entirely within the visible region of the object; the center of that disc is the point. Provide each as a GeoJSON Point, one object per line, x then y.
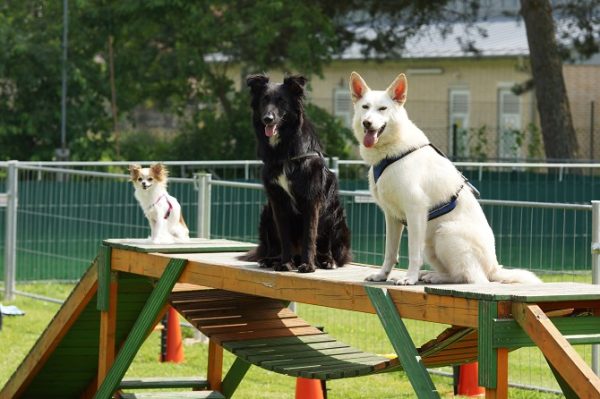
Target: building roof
{"type": "Point", "coordinates": [503, 37]}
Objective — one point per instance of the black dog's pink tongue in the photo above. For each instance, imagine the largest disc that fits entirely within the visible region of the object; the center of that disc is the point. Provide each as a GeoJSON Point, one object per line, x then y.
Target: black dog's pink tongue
{"type": "Point", "coordinates": [270, 130]}
{"type": "Point", "coordinates": [370, 138]}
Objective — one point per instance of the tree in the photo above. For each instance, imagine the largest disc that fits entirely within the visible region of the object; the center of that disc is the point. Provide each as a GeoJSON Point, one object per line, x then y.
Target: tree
{"type": "Point", "coordinates": [178, 57]}
{"type": "Point", "coordinates": [30, 33]}
{"type": "Point", "coordinates": [560, 140]}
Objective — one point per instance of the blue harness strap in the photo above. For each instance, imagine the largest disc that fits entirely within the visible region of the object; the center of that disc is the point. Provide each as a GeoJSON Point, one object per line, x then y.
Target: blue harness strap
{"type": "Point", "coordinates": [385, 162]}
{"type": "Point", "coordinates": [444, 208]}
{"type": "Point", "coordinates": [440, 210]}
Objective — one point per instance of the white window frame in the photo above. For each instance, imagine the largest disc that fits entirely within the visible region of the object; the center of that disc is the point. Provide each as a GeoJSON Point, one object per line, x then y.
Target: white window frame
{"type": "Point", "coordinates": [463, 126]}
{"type": "Point", "coordinates": [507, 123]}
{"type": "Point", "coordinates": [343, 96]}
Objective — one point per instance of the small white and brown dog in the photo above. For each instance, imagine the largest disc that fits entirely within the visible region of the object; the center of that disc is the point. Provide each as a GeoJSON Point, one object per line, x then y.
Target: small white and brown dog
{"type": "Point", "coordinates": [161, 209]}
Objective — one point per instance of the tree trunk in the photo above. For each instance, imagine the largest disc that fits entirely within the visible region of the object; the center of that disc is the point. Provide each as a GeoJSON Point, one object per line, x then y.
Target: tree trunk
{"type": "Point", "coordinates": [559, 136]}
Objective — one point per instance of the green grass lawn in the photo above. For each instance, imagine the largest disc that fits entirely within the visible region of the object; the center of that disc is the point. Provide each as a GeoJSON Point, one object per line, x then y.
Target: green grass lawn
{"type": "Point", "coordinates": [361, 330]}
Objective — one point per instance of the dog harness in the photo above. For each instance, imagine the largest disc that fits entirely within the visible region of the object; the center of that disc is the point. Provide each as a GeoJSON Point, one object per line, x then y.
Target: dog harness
{"type": "Point", "coordinates": [170, 206]}
{"type": "Point", "coordinates": [436, 211]}
{"type": "Point", "coordinates": [307, 155]}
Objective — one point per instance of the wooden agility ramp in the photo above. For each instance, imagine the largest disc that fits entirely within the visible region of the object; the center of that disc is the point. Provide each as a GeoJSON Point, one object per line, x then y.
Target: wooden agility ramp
{"type": "Point", "coordinates": [88, 346]}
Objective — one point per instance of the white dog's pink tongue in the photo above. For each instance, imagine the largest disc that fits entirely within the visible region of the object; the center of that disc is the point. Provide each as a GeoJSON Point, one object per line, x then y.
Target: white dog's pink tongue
{"type": "Point", "coordinates": [370, 139]}
{"type": "Point", "coordinates": [270, 130]}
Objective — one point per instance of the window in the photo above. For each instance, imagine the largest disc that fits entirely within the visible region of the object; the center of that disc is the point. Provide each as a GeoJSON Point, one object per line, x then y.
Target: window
{"type": "Point", "coordinates": [509, 124]}
{"type": "Point", "coordinates": [342, 106]}
{"type": "Point", "coordinates": [459, 123]}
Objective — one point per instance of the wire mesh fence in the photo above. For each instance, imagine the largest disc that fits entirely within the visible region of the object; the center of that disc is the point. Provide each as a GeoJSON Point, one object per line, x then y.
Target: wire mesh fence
{"type": "Point", "coordinates": [66, 210]}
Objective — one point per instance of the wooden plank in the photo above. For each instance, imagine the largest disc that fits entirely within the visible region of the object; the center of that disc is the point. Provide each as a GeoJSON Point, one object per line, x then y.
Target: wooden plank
{"type": "Point", "coordinates": [557, 350]}
{"type": "Point", "coordinates": [529, 293]}
{"type": "Point", "coordinates": [163, 382]}
{"type": "Point", "coordinates": [104, 278]}
{"type": "Point", "coordinates": [402, 343]}
{"type": "Point", "coordinates": [192, 246]}
{"type": "Point", "coordinates": [576, 330]}
{"type": "Point", "coordinates": [254, 353]}
{"type": "Point", "coordinates": [174, 395]}
{"type": "Point", "coordinates": [79, 298]}
{"type": "Point", "coordinates": [224, 271]}
{"type": "Point", "coordinates": [144, 323]}
{"type": "Point", "coordinates": [254, 344]}
{"type": "Point", "coordinates": [215, 365]}
{"type": "Point", "coordinates": [273, 333]}
{"type": "Point", "coordinates": [108, 325]}
{"type": "Point", "coordinates": [237, 327]}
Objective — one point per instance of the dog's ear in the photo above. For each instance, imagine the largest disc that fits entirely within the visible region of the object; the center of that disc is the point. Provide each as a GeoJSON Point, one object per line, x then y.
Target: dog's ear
{"type": "Point", "coordinates": [295, 84]}
{"type": "Point", "coordinates": [134, 171]}
{"type": "Point", "coordinates": [159, 171]}
{"type": "Point", "coordinates": [358, 87]}
{"type": "Point", "coordinates": [257, 82]}
{"type": "Point", "coordinates": [397, 90]}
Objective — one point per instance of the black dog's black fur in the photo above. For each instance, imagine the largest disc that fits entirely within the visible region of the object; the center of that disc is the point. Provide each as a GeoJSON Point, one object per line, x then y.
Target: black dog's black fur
{"type": "Point", "coordinates": [308, 225]}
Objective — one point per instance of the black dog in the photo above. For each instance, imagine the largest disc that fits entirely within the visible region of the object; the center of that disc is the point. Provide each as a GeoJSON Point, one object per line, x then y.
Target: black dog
{"type": "Point", "coordinates": [303, 222]}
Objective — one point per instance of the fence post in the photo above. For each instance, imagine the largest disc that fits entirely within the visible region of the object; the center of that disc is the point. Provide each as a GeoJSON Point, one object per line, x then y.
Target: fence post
{"type": "Point", "coordinates": [596, 272]}
{"type": "Point", "coordinates": [10, 238]}
{"type": "Point", "coordinates": [203, 185]}
{"type": "Point", "coordinates": [335, 166]}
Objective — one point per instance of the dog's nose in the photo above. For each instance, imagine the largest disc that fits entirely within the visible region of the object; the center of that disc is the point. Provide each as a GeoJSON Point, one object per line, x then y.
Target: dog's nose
{"type": "Point", "coordinates": [367, 124]}
{"type": "Point", "coordinates": [268, 119]}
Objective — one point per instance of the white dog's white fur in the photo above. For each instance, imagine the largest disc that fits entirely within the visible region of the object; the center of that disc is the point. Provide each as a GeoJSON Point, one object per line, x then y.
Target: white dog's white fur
{"type": "Point", "coordinates": [162, 210]}
{"type": "Point", "coordinates": [458, 245]}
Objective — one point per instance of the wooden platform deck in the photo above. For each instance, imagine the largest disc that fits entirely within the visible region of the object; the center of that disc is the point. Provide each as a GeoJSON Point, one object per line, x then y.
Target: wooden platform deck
{"type": "Point", "coordinates": [122, 296]}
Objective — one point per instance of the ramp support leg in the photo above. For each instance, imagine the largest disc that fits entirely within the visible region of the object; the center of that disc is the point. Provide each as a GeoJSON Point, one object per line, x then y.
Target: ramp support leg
{"type": "Point", "coordinates": [143, 324]}
{"type": "Point", "coordinates": [402, 342]}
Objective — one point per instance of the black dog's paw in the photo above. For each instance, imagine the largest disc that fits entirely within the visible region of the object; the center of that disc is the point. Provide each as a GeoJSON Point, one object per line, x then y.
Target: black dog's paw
{"type": "Point", "coordinates": [283, 267]}
{"type": "Point", "coordinates": [306, 268]}
{"type": "Point", "coordinates": [268, 263]}
{"type": "Point", "coordinates": [327, 264]}
{"type": "Point", "coordinates": [325, 261]}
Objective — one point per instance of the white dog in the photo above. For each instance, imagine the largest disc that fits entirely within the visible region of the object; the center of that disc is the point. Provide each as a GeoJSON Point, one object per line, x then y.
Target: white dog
{"type": "Point", "coordinates": [417, 186]}
{"type": "Point", "coordinates": [162, 210]}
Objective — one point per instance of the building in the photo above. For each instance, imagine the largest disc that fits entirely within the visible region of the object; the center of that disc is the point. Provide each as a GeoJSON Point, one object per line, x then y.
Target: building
{"type": "Point", "coordinates": [464, 101]}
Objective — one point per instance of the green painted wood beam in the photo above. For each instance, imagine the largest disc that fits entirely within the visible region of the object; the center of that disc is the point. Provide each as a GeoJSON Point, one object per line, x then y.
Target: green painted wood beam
{"type": "Point", "coordinates": [103, 295]}
{"type": "Point", "coordinates": [488, 361]}
{"type": "Point", "coordinates": [581, 330]}
{"type": "Point", "coordinates": [142, 326]}
{"type": "Point", "coordinates": [234, 376]}
{"type": "Point", "coordinates": [402, 342]}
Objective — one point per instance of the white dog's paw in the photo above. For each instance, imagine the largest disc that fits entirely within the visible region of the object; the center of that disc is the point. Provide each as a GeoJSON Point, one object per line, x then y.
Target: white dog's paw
{"type": "Point", "coordinates": [429, 277]}
{"type": "Point", "coordinates": [163, 240]}
{"type": "Point", "coordinates": [379, 276]}
{"type": "Point", "coordinates": [406, 280]}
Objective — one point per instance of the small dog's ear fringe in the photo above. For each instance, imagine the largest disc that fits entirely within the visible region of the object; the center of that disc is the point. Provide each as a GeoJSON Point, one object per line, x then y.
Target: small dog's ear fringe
{"type": "Point", "coordinates": [134, 170]}
{"type": "Point", "coordinates": [160, 171]}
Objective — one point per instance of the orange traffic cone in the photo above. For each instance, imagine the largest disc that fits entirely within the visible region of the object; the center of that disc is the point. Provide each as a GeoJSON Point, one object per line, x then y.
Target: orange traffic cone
{"type": "Point", "coordinates": [308, 388]}
{"type": "Point", "coordinates": [468, 384]}
{"type": "Point", "coordinates": [174, 352]}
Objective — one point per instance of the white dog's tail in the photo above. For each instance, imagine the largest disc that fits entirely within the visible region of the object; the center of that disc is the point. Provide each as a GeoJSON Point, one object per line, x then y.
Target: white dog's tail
{"type": "Point", "coordinates": [511, 276]}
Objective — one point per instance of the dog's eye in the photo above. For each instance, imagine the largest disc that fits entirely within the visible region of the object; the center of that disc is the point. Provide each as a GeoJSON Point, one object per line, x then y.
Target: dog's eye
{"type": "Point", "coordinates": [139, 179]}
{"type": "Point", "coordinates": [365, 106]}
{"type": "Point", "coordinates": [149, 179]}
{"type": "Point", "coordinates": [382, 108]}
